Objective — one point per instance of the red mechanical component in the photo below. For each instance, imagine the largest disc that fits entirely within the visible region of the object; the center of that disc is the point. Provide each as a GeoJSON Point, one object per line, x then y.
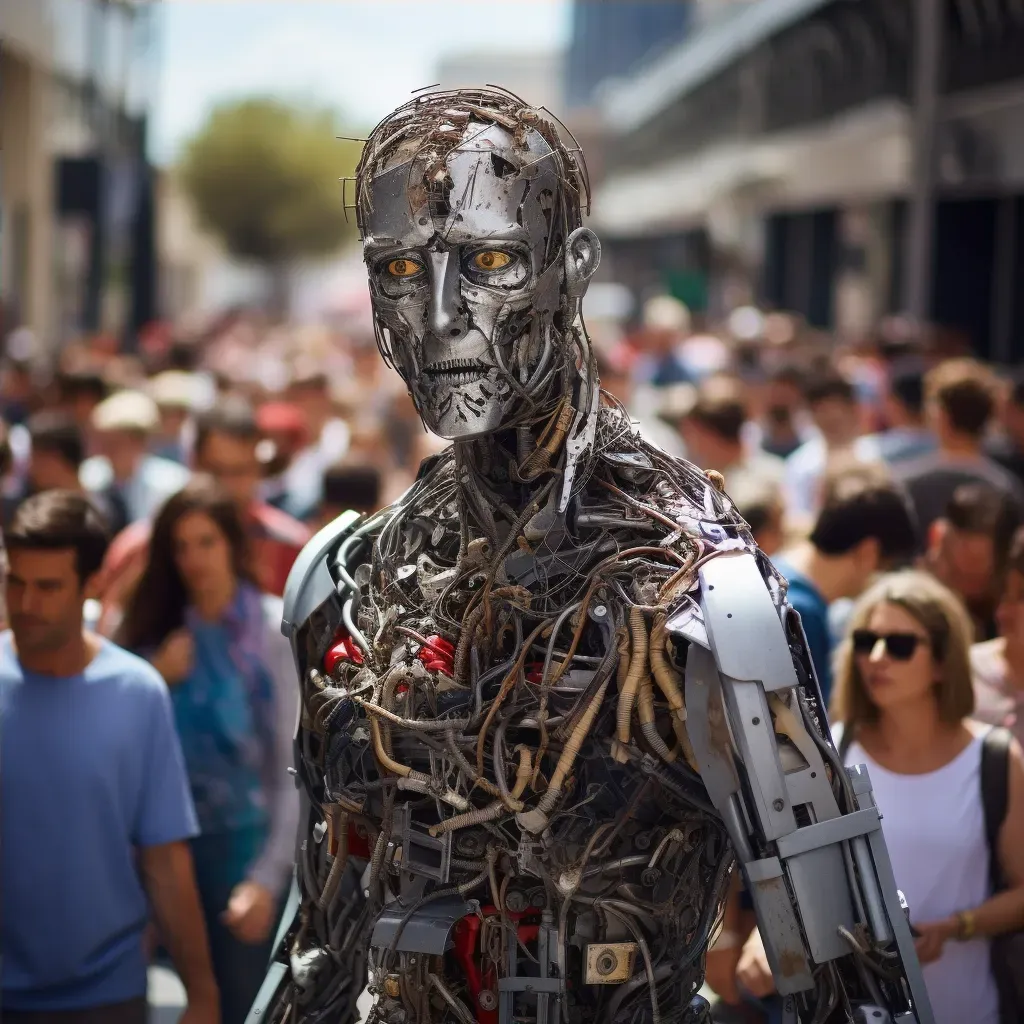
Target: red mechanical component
{"type": "Point", "coordinates": [358, 843]}
{"type": "Point", "coordinates": [466, 939]}
{"type": "Point", "coordinates": [344, 648]}
{"type": "Point", "coordinates": [535, 672]}
{"type": "Point", "coordinates": [438, 655]}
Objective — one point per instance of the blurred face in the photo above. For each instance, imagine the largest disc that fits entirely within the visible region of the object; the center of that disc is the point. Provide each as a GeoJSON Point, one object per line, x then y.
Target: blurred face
{"type": "Point", "coordinates": [124, 449]}
{"type": "Point", "coordinates": [232, 462]}
{"type": "Point", "coordinates": [781, 401]}
{"type": "Point", "coordinates": [836, 418]}
{"type": "Point", "coordinates": [891, 678]}
{"type": "Point", "coordinates": [1010, 613]}
{"type": "Point", "coordinates": [48, 471]}
{"type": "Point", "coordinates": [202, 553]}
{"type": "Point", "coordinates": [964, 561]}
{"type": "Point", "coordinates": [172, 421]}
{"type": "Point", "coordinates": [44, 598]}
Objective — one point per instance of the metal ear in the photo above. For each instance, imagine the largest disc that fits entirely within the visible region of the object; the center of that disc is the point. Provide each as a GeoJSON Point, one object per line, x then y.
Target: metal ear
{"type": "Point", "coordinates": [582, 258]}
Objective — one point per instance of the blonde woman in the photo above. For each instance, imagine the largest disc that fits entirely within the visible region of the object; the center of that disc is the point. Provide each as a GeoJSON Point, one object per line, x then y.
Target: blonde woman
{"type": "Point", "coordinates": [901, 705]}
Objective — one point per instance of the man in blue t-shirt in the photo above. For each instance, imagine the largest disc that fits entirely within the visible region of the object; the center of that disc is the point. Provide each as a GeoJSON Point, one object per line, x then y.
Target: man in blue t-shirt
{"type": "Point", "coordinates": [866, 525]}
{"type": "Point", "coordinates": [95, 809]}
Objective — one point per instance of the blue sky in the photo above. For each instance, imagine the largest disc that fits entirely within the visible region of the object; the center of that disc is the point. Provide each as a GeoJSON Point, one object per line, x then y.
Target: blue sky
{"type": "Point", "coordinates": [361, 56]}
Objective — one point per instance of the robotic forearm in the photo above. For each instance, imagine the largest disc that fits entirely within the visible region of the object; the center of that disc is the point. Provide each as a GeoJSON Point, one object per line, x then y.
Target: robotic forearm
{"type": "Point", "coordinates": [805, 830]}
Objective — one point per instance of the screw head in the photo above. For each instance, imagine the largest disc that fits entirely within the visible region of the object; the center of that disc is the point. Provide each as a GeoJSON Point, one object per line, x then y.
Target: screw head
{"type": "Point", "coordinates": [778, 804]}
{"type": "Point", "coordinates": [600, 611]}
{"type": "Point", "coordinates": [487, 1000]}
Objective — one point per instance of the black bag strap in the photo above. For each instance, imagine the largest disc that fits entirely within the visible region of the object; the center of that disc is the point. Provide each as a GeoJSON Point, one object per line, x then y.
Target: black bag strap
{"type": "Point", "coordinates": [995, 795]}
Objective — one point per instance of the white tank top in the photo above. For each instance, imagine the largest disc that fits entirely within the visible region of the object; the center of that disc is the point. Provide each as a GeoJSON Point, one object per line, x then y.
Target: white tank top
{"type": "Point", "coordinates": [934, 827]}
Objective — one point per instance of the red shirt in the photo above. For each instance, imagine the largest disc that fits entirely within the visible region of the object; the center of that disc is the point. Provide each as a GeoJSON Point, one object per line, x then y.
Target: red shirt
{"type": "Point", "coordinates": [275, 540]}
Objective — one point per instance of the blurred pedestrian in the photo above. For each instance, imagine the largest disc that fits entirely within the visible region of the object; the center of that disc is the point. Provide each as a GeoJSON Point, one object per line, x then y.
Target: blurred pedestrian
{"type": "Point", "coordinates": [175, 393]}
{"type": "Point", "coordinates": [866, 526]}
{"type": "Point", "coordinates": [712, 430]}
{"type": "Point", "coordinates": [832, 401]}
{"type": "Point", "coordinates": [199, 616]}
{"type": "Point", "coordinates": [134, 482]}
{"type": "Point", "coordinates": [902, 705]}
{"type": "Point", "coordinates": [906, 435]}
{"type": "Point", "coordinates": [960, 402]}
{"type": "Point", "coordinates": [968, 547]}
{"type": "Point", "coordinates": [1008, 447]}
{"type": "Point", "coordinates": [999, 664]}
{"type": "Point", "coordinates": [296, 485]}
{"type": "Point", "coordinates": [79, 392]}
{"type": "Point", "coordinates": [90, 726]}
{"type": "Point", "coordinates": [785, 423]}
{"type": "Point", "coordinates": [226, 443]}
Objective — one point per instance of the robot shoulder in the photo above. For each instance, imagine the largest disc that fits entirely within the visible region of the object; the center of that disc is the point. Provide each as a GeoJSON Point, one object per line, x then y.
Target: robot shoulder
{"type": "Point", "coordinates": [311, 582]}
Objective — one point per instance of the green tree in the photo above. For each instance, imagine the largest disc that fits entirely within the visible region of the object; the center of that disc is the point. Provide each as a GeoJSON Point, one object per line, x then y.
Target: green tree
{"type": "Point", "coordinates": [263, 177]}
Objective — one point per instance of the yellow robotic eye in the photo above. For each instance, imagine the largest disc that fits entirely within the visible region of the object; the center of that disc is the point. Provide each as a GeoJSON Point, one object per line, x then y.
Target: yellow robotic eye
{"type": "Point", "coordinates": [491, 260]}
{"type": "Point", "coordinates": [404, 268]}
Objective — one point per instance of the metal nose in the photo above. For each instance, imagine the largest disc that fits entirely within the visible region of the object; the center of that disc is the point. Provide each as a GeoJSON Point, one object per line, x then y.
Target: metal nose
{"type": "Point", "coordinates": [446, 314]}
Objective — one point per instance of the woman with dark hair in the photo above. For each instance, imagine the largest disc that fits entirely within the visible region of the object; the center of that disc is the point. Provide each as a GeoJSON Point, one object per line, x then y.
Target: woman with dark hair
{"type": "Point", "coordinates": [202, 622]}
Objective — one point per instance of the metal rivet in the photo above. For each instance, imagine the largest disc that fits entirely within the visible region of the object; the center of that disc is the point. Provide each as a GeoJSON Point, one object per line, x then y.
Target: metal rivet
{"type": "Point", "coordinates": [755, 720]}
{"type": "Point", "coordinates": [778, 804]}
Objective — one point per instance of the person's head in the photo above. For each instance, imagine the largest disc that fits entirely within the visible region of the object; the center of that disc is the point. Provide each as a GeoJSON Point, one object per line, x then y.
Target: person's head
{"type": "Point", "coordinates": [198, 547]}
{"type": "Point", "coordinates": [665, 323]}
{"type": "Point", "coordinates": [227, 437]}
{"type": "Point", "coordinates": [713, 427]}
{"type": "Point", "coordinates": [961, 396]}
{"type": "Point", "coordinates": [79, 392]}
{"type": "Point", "coordinates": [1013, 412]}
{"type": "Point", "coordinates": [123, 425]}
{"type": "Point", "coordinates": [832, 401]}
{"type": "Point", "coordinates": [866, 525]}
{"type": "Point", "coordinates": [909, 640]}
{"type": "Point", "coordinates": [285, 425]}
{"type": "Point", "coordinates": [783, 397]}
{"type": "Point", "coordinates": [968, 545]}
{"type": "Point", "coordinates": [353, 486]}
{"type": "Point", "coordinates": [904, 406]}
{"type": "Point", "coordinates": [759, 501]}
{"type": "Point", "coordinates": [470, 208]}
{"type": "Point", "coordinates": [55, 547]}
{"type": "Point", "coordinates": [174, 392]}
{"type": "Point", "coordinates": [58, 450]}
{"type": "Point", "coordinates": [1010, 611]}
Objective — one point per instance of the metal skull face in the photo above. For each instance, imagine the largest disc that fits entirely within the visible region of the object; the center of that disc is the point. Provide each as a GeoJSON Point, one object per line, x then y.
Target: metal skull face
{"type": "Point", "coordinates": [475, 271]}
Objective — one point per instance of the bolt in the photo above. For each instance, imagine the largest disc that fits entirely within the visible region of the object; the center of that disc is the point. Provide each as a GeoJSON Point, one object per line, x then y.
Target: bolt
{"type": "Point", "coordinates": [487, 1000]}
{"type": "Point", "coordinates": [606, 963]}
{"type": "Point", "coordinates": [755, 720]}
{"type": "Point", "coordinates": [650, 877]}
{"type": "Point", "coordinates": [778, 804]}
{"type": "Point", "coordinates": [600, 611]}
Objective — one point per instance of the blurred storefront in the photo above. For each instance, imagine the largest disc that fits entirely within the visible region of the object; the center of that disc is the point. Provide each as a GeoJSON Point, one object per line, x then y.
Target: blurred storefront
{"type": "Point", "coordinates": [841, 158]}
{"type": "Point", "coordinates": [76, 221]}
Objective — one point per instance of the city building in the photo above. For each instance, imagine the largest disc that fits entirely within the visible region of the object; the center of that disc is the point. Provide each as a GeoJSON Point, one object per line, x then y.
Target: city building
{"type": "Point", "coordinates": [841, 159]}
{"type": "Point", "coordinates": [76, 189]}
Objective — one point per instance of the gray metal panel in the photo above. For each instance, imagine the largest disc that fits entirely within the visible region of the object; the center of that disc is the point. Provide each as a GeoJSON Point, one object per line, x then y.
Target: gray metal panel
{"type": "Point", "coordinates": [708, 726]}
{"type": "Point", "coordinates": [825, 833]}
{"type": "Point", "coordinates": [310, 582]}
{"type": "Point", "coordinates": [901, 928]}
{"type": "Point", "coordinates": [751, 726]}
{"type": "Point", "coordinates": [776, 919]}
{"type": "Point", "coordinates": [688, 622]}
{"type": "Point", "coordinates": [743, 624]}
{"type": "Point", "coordinates": [428, 930]}
{"type": "Point", "coordinates": [822, 893]}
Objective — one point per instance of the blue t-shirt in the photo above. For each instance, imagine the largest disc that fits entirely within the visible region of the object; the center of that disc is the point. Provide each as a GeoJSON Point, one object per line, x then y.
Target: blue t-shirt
{"type": "Point", "coordinates": [90, 770]}
{"type": "Point", "coordinates": [805, 597]}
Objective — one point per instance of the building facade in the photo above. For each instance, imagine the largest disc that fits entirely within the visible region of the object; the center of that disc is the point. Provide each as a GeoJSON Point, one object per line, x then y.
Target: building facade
{"type": "Point", "coordinates": [841, 159]}
{"type": "Point", "coordinates": [76, 188]}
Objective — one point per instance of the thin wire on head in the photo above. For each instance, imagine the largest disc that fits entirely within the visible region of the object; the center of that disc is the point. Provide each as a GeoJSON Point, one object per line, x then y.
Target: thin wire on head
{"type": "Point", "coordinates": [433, 122]}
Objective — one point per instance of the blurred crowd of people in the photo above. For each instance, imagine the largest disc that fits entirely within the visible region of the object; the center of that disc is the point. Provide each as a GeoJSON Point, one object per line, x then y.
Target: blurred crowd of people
{"type": "Point", "coordinates": [885, 479]}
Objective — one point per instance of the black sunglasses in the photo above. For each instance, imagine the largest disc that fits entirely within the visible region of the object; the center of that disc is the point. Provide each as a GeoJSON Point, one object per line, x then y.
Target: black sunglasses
{"type": "Point", "coordinates": [899, 646]}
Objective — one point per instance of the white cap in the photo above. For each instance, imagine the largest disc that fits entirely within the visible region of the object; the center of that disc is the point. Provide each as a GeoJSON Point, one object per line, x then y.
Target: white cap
{"type": "Point", "coordinates": [126, 410]}
{"type": "Point", "coordinates": [173, 389]}
{"type": "Point", "coordinates": [666, 313]}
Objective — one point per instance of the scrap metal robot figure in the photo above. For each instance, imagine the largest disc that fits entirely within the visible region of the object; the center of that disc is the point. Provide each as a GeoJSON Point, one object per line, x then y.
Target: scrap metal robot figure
{"type": "Point", "coordinates": [555, 694]}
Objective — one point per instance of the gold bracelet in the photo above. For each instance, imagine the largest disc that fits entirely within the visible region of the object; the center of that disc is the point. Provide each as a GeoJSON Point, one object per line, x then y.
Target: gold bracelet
{"type": "Point", "coordinates": [965, 925]}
